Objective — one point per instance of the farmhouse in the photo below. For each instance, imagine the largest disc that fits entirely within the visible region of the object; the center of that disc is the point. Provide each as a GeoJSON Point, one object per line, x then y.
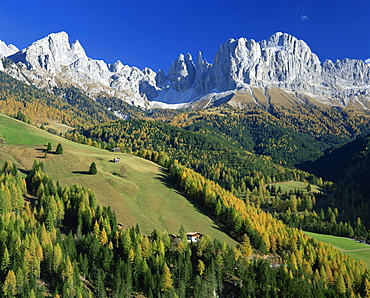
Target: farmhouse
{"type": "Point", "coordinates": [116, 149]}
{"type": "Point", "coordinates": [193, 236]}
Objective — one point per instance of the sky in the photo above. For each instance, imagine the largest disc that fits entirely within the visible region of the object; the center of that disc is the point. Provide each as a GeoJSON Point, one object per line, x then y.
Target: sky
{"type": "Point", "coordinates": [148, 33]}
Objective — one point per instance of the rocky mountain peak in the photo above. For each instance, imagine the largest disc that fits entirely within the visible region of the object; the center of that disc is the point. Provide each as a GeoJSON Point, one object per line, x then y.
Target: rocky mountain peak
{"type": "Point", "coordinates": [116, 66]}
{"type": "Point", "coordinates": [280, 39]}
{"type": "Point", "coordinates": [49, 53]}
{"type": "Point", "coordinates": [182, 73]}
{"type": "Point", "coordinates": [7, 50]}
{"type": "Point", "coordinates": [78, 50]}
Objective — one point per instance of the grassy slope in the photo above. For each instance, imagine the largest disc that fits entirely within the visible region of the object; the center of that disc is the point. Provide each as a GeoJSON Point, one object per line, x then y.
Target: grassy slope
{"type": "Point", "coordinates": [358, 251]}
{"type": "Point", "coordinates": [292, 185]}
{"type": "Point", "coordinates": [142, 197]}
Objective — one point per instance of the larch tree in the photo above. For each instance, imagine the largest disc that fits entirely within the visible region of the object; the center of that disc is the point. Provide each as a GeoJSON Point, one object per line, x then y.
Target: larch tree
{"type": "Point", "coordinates": [246, 248]}
{"type": "Point", "coordinates": [167, 279]}
{"type": "Point", "coordinates": [201, 267]}
{"type": "Point", "coordinates": [10, 284]}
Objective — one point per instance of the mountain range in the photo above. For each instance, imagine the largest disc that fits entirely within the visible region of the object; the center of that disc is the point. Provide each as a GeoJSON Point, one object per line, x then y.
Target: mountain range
{"type": "Point", "coordinates": [281, 70]}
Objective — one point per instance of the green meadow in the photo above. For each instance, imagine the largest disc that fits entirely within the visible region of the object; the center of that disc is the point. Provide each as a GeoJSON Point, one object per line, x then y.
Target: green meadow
{"type": "Point", "coordinates": [291, 185]}
{"type": "Point", "coordinates": [142, 196]}
{"type": "Point", "coordinates": [359, 251]}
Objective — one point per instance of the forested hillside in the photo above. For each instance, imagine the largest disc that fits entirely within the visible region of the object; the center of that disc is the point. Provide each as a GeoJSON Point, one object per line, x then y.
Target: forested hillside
{"type": "Point", "coordinates": [40, 107]}
{"type": "Point", "coordinates": [349, 167]}
{"type": "Point", "coordinates": [288, 136]}
{"type": "Point", "coordinates": [61, 242]}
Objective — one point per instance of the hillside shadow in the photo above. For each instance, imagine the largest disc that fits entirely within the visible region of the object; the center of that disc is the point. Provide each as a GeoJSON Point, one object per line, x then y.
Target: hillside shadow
{"type": "Point", "coordinates": [167, 181]}
{"type": "Point", "coordinates": [23, 171]}
{"type": "Point", "coordinates": [44, 150]}
{"type": "Point", "coordinates": [222, 229]}
{"type": "Point", "coordinates": [81, 172]}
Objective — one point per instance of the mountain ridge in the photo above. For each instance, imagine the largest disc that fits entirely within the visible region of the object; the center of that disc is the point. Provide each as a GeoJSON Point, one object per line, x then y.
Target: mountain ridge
{"type": "Point", "coordinates": [282, 61]}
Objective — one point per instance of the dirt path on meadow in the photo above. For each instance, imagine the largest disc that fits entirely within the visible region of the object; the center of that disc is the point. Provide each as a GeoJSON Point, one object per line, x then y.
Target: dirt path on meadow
{"type": "Point", "coordinates": [360, 249]}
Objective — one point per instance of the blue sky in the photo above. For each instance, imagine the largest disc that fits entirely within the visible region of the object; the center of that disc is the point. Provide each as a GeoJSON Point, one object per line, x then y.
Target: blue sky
{"type": "Point", "coordinates": [153, 33]}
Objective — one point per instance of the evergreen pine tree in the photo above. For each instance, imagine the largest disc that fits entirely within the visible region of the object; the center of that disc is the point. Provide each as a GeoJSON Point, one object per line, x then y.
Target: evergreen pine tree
{"type": "Point", "coordinates": [93, 170]}
{"type": "Point", "coordinates": [5, 260]}
{"type": "Point", "coordinates": [59, 149]}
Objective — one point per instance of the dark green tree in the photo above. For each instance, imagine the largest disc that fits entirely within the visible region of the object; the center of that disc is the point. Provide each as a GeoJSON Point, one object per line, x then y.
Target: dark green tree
{"type": "Point", "coordinates": [48, 149]}
{"type": "Point", "coordinates": [93, 170]}
{"type": "Point", "coordinates": [59, 149]}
